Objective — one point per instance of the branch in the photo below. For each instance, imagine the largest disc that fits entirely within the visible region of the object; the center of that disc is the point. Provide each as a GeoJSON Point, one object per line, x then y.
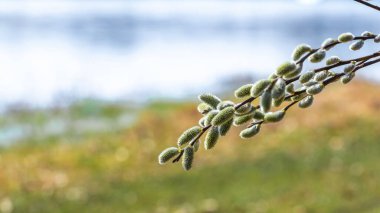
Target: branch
{"type": "Point", "coordinates": [368, 4]}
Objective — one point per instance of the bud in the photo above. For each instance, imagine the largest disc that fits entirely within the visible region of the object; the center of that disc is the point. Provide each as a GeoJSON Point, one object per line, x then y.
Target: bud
{"type": "Point", "coordinates": [266, 101]}
{"type": "Point", "coordinates": [347, 78]}
{"type": "Point", "coordinates": [243, 91]}
{"type": "Point", "coordinates": [202, 121]}
{"type": "Point", "coordinates": [196, 145]}
{"type": "Point", "coordinates": [278, 89]}
{"type": "Point", "coordinates": [310, 83]}
{"type": "Point", "coordinates": [306, 77]}
{"type": "Point", "coordinates": [318, 56]}
{"type": "Point", "coordinates": [223, 116]}
{"type": "Point", "coordinates": [210, 116]}
{"type": "Point", "coordinates": [246, 108]}
{"type": "Point", "coordinates": [294, 73]}
{"type": "Point", "coordinates": [278, 102]}
{"type": "Point", "coordinates": [274, 116]}
{"type": "Point", "coordinates": [188, 156]}
{"type": "Point", "coordinates": [333, 60]}
{"type": "Point", "coordinates": [258, 115]}
{"type": "Point", "coordinates": [211, 138]}
{"type": "Point", "coordinates": [273, 76]}
{"type": "Point", "coordinates": [286, 68]}
{"type": "Point", "coordinates": [189, 135]}
{"type": "Point", "coordinates": [240, 120]}
{"type": "Point", "coordinates": [210, 99]}
{"type": "Point", "coordinates": [367, 33]}
{"type": "Point", "coordinates": [224, 128]}
{"type": "Point", "coordinates": [204, 108]}
{"type": "Point", "coordinates": [377, 39]}
{"type": "Point", "coordinates": [315, 89]}
{"type": "Point", "coordinates": [259, 87]}
{"type": "Point", "coordinates": [346, 37]}
{"type": "Point", "coordinates": [296, 97]}
{"type": "Point", "coordinates": [250, 132]}
{"type": "Point", "coordinates": [329, 43]}
{"type": "Point", "coordinates": [357, 45]}
{"type": "Point", "coordinates": [320, 76]}
{"type": "Point", "coordinates": [290, 88]}
{"type": "Point", "coordinates": [300, 50]}
{"type": "Point", "coordinates": [306, 102]}
{"type": "Point", "coordinates": [167, 154]}
{"type": "Point", "coordinates": [349, 68]}
{"type": "Point", "coordinates": [224, 104]}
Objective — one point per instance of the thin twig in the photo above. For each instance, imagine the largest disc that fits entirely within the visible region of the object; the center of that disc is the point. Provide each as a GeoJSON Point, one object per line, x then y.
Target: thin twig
{"type": "Point", "coordinates": [368, 4]}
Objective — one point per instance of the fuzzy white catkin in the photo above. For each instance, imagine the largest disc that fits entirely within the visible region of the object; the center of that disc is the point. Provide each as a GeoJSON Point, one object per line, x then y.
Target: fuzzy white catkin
{"type": "Point", "coordinates": [188, 135]}
{"type": "Point", "coordinates": [345, 79]}
{"type": "Point", "coordinates": [210, 116]}
{"type": "Point", "coordinates": [377, 39]}
{"type": "Point", "coordinates": [224, 104]}
{"type": "Point", "coordinates": [211, 138]}
{"type": "Point", "coordinates": [243, 91]}
{"type": "Point", "coordinates": [250, 132]}
{"type": "Point", "coordinates": [307, 76]}
{"type": "Point", "coordinates": [223, 116]}
{"type": "Point", "coordinates": [333, 60]}
{"type": "Point", "coordinates": [306, 102]}
{"type": "Point", "coordinates": [294, 73]}
{"type": "Point", "coordinates": [246, 108]}
{"type": "Point", "coordinates": [318, 56]}
{"type": "Point", "coordinates": [210, 99]}
{"type": "Point", "coordinates": [278, 102]}
{"type": "Point", "coordinates": [258, 115]}
{"type": "Point", "coordinates": [188, 157]}
{"type": "Point", "coordinates": [320, 76]}
{"type": "Point", "coordinates": [328, 44]}
{"type": "Point", "coordinates": [357, 45]}
{"type": "Point", "coordinates": [346, 37]}
{"type": "Point", "coordinates": [349, 68]}
{"type": "Point", "coordinates": [266, 101]}
{"type": "Point", "coordinates": [315, 89]}
{"type": "Point", "coordinates": [224, 128]}
{"type": "Point", "coordinates": [286, 68]}
{"type": "Point", "coordinates": [204, 108]}
{"type": "Point", "coordinates": [290, 88]}
{"type": "Point", "coordinates": [278, 89]}
{"type": "Point", "coordinates": [300, 50]}
{"type": "Point", "coordinates": [240, 120]}
{"type": "Point", "coordinates": [274, 116]}
{"type": "Point", "coordinates": [167, 154]}
{"type": "Point", "coordinates": [259, 87]}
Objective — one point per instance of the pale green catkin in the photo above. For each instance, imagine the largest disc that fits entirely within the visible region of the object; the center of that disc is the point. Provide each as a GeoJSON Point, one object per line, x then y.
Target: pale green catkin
{"type": "Point", "coordinates": [189, 135]}
{"type": "Point", "coordinates": [273, 76]}
{"type": "Point", "coordinates": [318, 56]}
{"type": "Point", "coordinates": [274, 116]}
{"type": "Point", "coordinates": [367, 33]}
{"type": "Point", "coordinates": [210, 99]}
{"type": "Point", "coordinates": [333, 60]}
{"type": "Point", "coordinates": [278, 89]}
{"type": "Point", "coordinates": [295, 73]}
{"type": "Point", "coordinates": [315, 89]}
{"type": "Point", "coordinates": [246, 108]}
{"type": "Point", "coordinates": [210, 116]}
{"type": "Point", "coordinates": [188, 157]}
{"type": "Point", "coordinates": [250, 132]}
{"type": "Point", "coordinates": [278, 102]}
{"type": "Point", "coordinates": [243, 91]}
{"type": "Point", "coordinates": [328, 43]}
{"type": "Point", "coordinates": [299, 51]}
{"type": "Point", "coordinates": [240, 120]}
{"type": "Point", "coordinates": [346, 37]}
{"type": "Point", "coordinates": [320, 76]}
{"type": "Point", "coordinates": [349, 68]}
{"type": "Point", "coordinates": [202, 121]}
{"type": "Point", "coordinates": [223, 116]}
{"type": "Point", "coordinates": [286, 68]}
{"type": "Point", "coordinates": [266, 101]}
{"type": "Point", "coordinates": [306, 102]}
{"type": "Point", "coordinates": [357, 45]}
{"type": "Point", "coordinates": [377, 39]}
{"type": "Point", "coordinates": [310, 83]}
{"type": "Point", "coordinates": [204, 108]}
{"type": "Point", "coordinates": [307, 76]}
{"type": "Point", "coordinates": [259, 87]}
{"type": "Point", "coordinates": [224, 104]}
{"type": "Point", "coordinates": [258, 115]}
{"type": "Point", "coordinates": [196, 145]}
{"type": "Point", "coordinates": [290, 88]}
{"type": "Point", "coordinates": [224, 128]}
{"type": "Point", "coordinates": [167, 154]}
{"type": "Point", "coordinates": [347, 78]}
{"type": "Point", "coordinates": [211, 138]}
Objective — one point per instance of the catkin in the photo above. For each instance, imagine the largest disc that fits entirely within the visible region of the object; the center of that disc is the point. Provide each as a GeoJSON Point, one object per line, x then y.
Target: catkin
{"type": "Point", "coordinates": [210, 116]}
{"type": "Point", "coordinates": [188, 156]}
{"type": "Point", "coordinates": [294, 73]}
{"type": "Point", "coordinates": [223, 116]}
{"type": "Point", "coordinates": [266, 101]}
{"type": "Point", "coordinates": [315, 89]}
{"type": "Point", "coordinates": [224, 128]}
{"type": "Point", "coordinates": [367, 33]}
{"type": "Point", "coordinates": [258, 115]}
{"type": "Point", "coordinates": [346, 37]}
{"type": "Point", "coordinates": [246, 108]}
{"type": "Point", "coordinates": [285, 68]}
{"type": "Point", "coordinates": [290, 88]}
{"type": "Point", "coordinates": [250, 132]}
{"type": "Point", "coordinates": [306, 102]}
{"type": "Point", "coordinates": [196, 145]}
{"type": "Point", "coordinates": [320, 76]}
{"type": "Point", "coordinates": [357, 45]}
{"type": "Point", "coordinates": [347, 78]}
{"type": "Point", "coordinates": [328, 44]}
{"type": "Point", "coordinates": [333, 60]}
{"type": "Point", "coordinates": [243, 91]}
{"type": "Point", "coordinates": [210, 99]}
{"type": "Point", "coordinates": [278, 89]}
{"type": "Point", "coordinates": [377, 39]}
{"type": "Point", "coordinates": [318, 56]}
{"type": "Point", "coordinates": [300, 50]}
{"type": "Point", "coordinates": [240, 120]}
{"type": "Point", "coordinates": [278, 102]}
{"type": "Point", "coordinates": [189, 135]}
{"type": "Point", "coordinates": [167, 154]}
{"type": "Point", "coordinates": [211, 138]}
{"type": "Point", "coordinates": [306, 77]}
{"type": "Point", "coordinates": [274, 116]}
{"type": "Point", "coordinates": [259, 87]}
{"type": "Point", "coordinates": [349, 68]}
{"type": "Point", "coordinates": [224, 104]}
{"type": "Point", "coordinates": [204, 108]}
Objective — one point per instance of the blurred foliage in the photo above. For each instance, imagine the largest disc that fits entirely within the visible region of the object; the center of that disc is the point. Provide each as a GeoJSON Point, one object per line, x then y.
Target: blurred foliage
{"type": "Point", "coordinates": [322, 159]}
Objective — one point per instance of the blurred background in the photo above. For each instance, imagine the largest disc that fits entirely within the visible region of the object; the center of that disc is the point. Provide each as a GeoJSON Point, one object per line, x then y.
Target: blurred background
{"type": "Point", "coordinates": [92, 91]}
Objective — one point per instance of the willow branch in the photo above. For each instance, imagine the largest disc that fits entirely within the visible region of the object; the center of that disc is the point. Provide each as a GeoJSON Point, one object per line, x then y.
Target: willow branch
{"type": "Point", "coordinates": [368, 4]}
